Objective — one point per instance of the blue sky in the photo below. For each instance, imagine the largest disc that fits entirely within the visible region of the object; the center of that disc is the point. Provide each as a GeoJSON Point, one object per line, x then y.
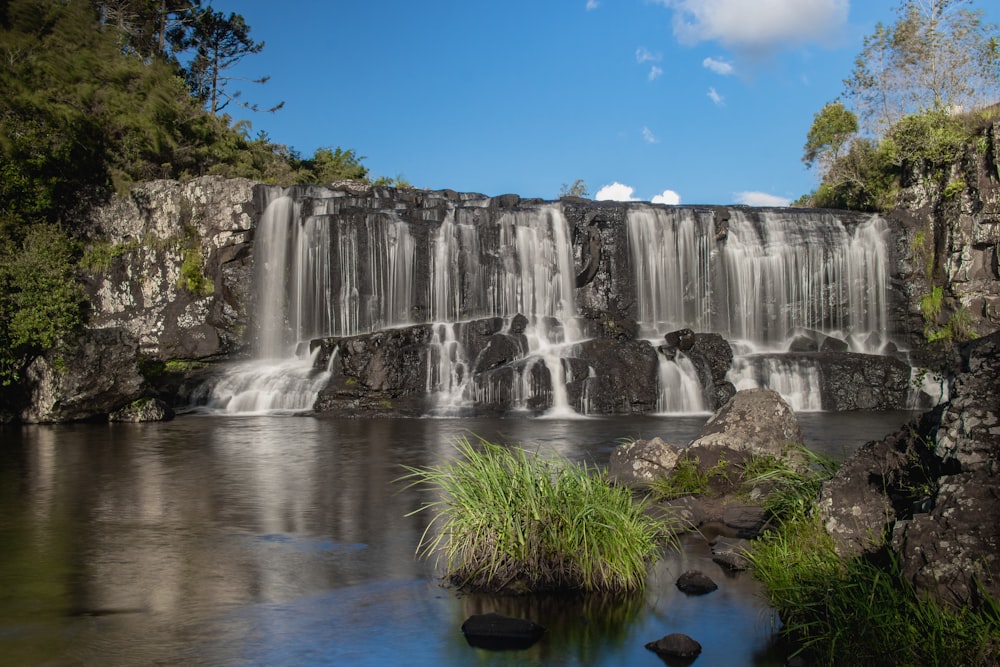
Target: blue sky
{"type": "Point", "coordinates": [686, 101]}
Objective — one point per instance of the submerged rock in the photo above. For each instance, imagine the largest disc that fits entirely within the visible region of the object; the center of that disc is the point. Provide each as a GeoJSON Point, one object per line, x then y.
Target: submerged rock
{"type": "Point", "coordinates": [694, 582]}
{"type": "Point", "coordinates": [501, 633]}
{"type": "Point", "coordinates": [676, 645]}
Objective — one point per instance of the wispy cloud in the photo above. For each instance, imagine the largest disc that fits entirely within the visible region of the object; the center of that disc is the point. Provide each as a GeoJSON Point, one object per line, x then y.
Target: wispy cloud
{"type": "Point", "coordinates": [751, 198]}
{"type": "Point", "coordinates": [648, 136]}
{"type": "Point", "coordinates": [644, 55]}
{"type": "Point", "coordinates": [718, 66]}
{"type": "Point", "coordinates": [655, 72]}
{"type": "Point", "coordinates": [758, 26]}
{"type": "Point", "coordinates": [592, 4]}
{"type": "Point", "coordinates": [714, 95]}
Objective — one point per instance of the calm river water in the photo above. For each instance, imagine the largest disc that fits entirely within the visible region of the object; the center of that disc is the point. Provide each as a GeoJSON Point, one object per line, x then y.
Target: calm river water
{"type": "Point", "coordinates": [215, 540]}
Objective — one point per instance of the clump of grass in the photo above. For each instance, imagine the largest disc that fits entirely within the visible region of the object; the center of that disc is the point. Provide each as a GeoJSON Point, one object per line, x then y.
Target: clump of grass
{"type": "Point", "coordinates": [793, 480]}
{"type": "Point", "coordinates": [852, 611]}
{"type": "Point", "coordinates": [514, 522]}
{"type": "Point", "coordinates": [685, 479]}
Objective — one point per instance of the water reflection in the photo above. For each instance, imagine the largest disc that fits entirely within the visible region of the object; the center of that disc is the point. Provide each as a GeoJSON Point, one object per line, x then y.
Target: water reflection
{"type": "Point", "coordinates": [263, 540]}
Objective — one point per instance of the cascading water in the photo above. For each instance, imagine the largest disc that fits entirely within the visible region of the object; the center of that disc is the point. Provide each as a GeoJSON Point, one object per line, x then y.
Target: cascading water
{"type": "Point", "coordinates": [530, 273]}
{"type": "Point", "coordinates": [493, 288]}
{"type": "Point", "coordinates": [759, 281]}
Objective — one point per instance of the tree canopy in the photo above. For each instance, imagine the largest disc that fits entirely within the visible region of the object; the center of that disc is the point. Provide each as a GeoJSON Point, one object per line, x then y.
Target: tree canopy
{"type": "Point", "coordinates": [939, 54]}
{"type": "Point", "coordinates": [95, 97]}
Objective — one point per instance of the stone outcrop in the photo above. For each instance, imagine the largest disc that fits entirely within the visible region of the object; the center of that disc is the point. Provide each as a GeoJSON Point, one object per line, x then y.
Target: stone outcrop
{"type": "Point", "coordinates": [929, 491]}
{"type": "Point", "coordinates": [170, 263]}
{"type": "Point", "coordinates": [85, 378]}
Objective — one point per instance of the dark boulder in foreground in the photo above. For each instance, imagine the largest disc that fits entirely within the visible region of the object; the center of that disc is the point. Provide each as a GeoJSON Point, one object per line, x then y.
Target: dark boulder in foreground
{"type": "Point", "coordinates": [501, 633]}
{"type": "Point", "coordinates": [675, 645]}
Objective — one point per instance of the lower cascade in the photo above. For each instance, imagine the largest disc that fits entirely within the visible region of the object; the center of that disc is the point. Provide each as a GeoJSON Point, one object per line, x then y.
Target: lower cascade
{"type": "Point", "coordinates": [378, 301]}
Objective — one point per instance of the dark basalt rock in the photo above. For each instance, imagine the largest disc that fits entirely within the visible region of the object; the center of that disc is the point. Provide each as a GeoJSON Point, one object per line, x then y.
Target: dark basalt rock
{"type": "Point", "coordinates": [94, 374]}
{"type": "Point", "coordinates": [501, 633]}
{"type": "Point", "coordinates": [675, 645]}
{"type": "Point", "coordinates": [928, 492]}
{"type": "Point", "coordinates": [694, 582]}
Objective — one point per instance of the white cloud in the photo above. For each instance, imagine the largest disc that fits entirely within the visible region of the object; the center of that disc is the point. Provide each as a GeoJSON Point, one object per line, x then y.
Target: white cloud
{"type": "Point", "coordinates": [667, 197]}
{"type": "Point", "coordinates": [621, 192]}
{"type": "Point", "coordinates": [714, 95]}
{"type": "Point", "coordinates": [648, 136]}
{"type": "Point", "coordinates": [764, 25]}
{"type": "Point", "coordinates": [615, 192]}
{"type": "Point", "coordinates": [655, 72]}
{"type": "Point", "coordinates": [644, 55]}
{"type": "Point", "coordinates": [592, 4]}
{"type": "Point", "coordinates": [718, 66]}
{"type": "Point", "coordinates": [761, 199]}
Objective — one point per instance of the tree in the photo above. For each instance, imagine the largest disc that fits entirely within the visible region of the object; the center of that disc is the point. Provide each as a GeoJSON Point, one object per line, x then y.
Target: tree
{"type": "Point", "coordinates": [831, 129]}
{"type": "Point", "coordinates": [578, 189]}
{"type": "Point", "coordinates": [938, 55]}
{"type": "Point", "coordinates": [144, 25]}
{"type": "Point", "coordinates": [220, 43]}
{"type": "Point", "coordinates": [329, 164]}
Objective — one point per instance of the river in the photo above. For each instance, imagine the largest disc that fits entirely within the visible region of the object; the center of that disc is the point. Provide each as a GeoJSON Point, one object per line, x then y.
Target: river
{"type": "Point", "coordinates": [213, 540]}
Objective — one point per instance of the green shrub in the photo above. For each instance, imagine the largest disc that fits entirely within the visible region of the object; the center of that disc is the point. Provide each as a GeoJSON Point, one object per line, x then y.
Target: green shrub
{"type": "Point", "coordinates": [509, 521]}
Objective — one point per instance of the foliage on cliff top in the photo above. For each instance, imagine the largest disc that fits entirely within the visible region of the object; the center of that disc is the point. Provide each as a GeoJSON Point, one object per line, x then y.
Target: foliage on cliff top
{"type": "Point", "coordinates": [96, 98]}
{"type": "Point", "coordinates": [900, 116]}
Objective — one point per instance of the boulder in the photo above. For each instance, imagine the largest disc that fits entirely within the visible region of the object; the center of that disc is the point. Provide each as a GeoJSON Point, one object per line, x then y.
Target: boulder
{"type": "Point", "coordinates": [754, 420]}
{"type": "Point", "coordinates": [675, 645]}
{"type": "Point", "coordinates": [85, 377]}
{"type": "Point", "coordinates": [694, 582]}
{"type": "Point", "coordinates": [642, 461]}
{"type": "Point", "coordinates": [143, 410]}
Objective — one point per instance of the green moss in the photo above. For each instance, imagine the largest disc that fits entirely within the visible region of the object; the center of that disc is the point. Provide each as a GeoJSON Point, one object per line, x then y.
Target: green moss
{"type": "Point", "coordinates": [192, 276]}
{"type": "Point", "coordinates": [183, 365]}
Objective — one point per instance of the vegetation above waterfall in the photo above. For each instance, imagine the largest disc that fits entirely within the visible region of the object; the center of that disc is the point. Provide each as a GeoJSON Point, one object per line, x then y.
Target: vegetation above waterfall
{"type": "Point", "coordinates": [917, 100]}
{"type": "Point", "coordinates": [99, 95]}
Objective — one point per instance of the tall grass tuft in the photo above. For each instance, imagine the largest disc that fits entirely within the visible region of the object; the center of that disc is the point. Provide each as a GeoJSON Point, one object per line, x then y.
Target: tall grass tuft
{"type": "Point", "coordinates": [851, 611]}
{"type": "Point", "coordinates": [509, 521]}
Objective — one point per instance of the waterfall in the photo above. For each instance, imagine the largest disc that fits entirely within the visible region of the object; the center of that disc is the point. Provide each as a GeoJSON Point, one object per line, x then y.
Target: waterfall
{"type": "Point", "coordinates": [758, 280]}
{"type": "Point", "coordinates": [490, 284]}
{"type": "Point", "coordinates": [529, 272]}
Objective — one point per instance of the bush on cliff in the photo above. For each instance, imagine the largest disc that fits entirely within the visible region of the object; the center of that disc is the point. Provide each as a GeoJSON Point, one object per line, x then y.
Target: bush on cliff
{"type": "Point", "coordinates": [509, 521]}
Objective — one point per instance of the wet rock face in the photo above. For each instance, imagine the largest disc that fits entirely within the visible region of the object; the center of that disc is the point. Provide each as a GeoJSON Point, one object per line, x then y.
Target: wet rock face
{"type": "Point", "coordinates": [955, 544]}
{"type": "Point", "coordinates": [929, 491]}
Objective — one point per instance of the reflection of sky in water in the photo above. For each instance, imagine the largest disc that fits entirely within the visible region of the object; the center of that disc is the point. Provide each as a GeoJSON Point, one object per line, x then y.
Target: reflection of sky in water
{"type": "Point", "coordinates": [264, 540]}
